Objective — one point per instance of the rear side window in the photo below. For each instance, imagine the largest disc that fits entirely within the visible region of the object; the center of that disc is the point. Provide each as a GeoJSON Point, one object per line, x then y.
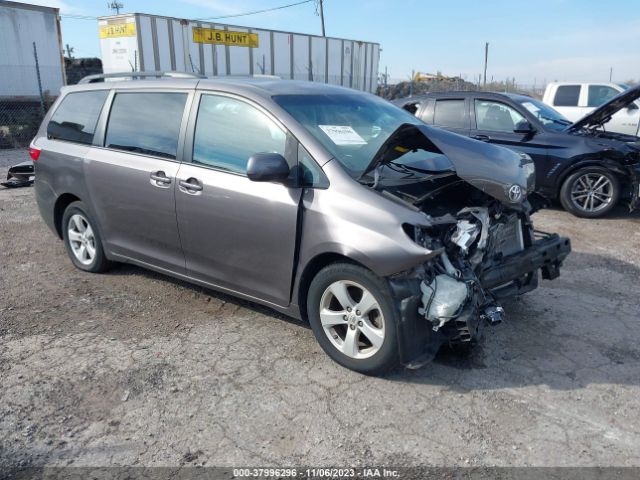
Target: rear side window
{"type": "Point", "coordinates": [229, 131]}
{"type": "Point", "coordinates": [599, 94]}
{"type": "Point", "coordinates": [567, 96]}
{"type": "Point", "coordinates": [76, 117]}
{"type": "Point", "coordinates": [449, 113]}
{"type": "Point", "coordinates": [411, 107]}
{"type": "Point", "coordinates": [146, 122]}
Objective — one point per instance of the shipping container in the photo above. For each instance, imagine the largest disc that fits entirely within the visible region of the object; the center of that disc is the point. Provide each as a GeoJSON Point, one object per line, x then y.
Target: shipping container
{"type": "Point", "coordinates": [20, 26]}
{"type": "Point", "coordinates": [141, 42]}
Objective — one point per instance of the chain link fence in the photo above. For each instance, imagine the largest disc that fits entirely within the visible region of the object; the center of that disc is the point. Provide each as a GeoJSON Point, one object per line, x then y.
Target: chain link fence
{"type": "Point", "coordinates": [24, 99]}
{"type": "Point", "coordinates": [22, 107]}
{"type": "Point", "coordinates": [19, 120]}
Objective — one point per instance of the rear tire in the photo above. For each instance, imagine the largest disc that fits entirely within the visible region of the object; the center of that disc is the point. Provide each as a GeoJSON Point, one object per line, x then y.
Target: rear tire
{"type": "Point", "coordinates": [82, 239]}
{"type": "Point", "coordinates": [590, 192]}
{"type": "Point", "coordinates": [353, 317]}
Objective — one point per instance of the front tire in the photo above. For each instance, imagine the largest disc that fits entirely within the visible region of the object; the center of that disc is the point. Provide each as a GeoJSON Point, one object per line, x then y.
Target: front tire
{"type": "Point", "coordinates": [590, 192]}
{"type": "Point", "coordinates": [353, 317]}
{"type": "Point", "coordinates": [82, 239]}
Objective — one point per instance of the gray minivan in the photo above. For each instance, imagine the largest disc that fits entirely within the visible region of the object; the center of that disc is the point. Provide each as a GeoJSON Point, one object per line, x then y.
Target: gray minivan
{"type": "Point", "coordinates": [390, 237]}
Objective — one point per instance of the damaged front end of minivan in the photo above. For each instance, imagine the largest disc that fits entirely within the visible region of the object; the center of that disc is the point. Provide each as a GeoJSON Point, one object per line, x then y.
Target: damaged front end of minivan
{"type": "Point", "coordinates": [479, 229]}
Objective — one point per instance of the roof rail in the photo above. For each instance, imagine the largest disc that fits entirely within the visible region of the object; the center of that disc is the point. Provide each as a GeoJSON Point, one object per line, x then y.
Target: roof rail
{"type": "Point", "coordinates": [100, 77]}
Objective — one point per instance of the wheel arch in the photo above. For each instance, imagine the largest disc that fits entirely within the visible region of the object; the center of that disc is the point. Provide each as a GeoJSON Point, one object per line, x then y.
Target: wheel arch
{"type": "Point", "coordinates": [60, 206]}
{"type": "Point", "coordinates": [311, 269]}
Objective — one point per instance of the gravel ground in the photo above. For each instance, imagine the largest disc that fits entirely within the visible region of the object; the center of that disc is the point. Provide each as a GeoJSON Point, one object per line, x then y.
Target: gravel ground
{"type": "Point", "coordinates": [134, 368]}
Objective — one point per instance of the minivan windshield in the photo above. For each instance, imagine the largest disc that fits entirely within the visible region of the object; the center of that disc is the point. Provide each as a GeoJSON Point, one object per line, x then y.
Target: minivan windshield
{"type": "Point", "coordinates": [353, 127]}
{"type": "Point", "coordinates": [548, 116]}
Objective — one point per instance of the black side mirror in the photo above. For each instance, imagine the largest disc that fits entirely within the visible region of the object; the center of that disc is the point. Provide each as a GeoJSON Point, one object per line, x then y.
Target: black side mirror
{"type": "Point", "coordinates": [267, 167]}
{"type": "Point", "coordinates": [524, 126]}
{"type": "Point", "coordinates": [632, 106]}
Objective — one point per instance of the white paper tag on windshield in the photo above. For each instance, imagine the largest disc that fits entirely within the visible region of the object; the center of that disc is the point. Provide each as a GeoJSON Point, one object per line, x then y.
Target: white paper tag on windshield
{"type": "Point", "coordinates": [342, 135]}
{"type": "Point", "coordinates": [531, 107]}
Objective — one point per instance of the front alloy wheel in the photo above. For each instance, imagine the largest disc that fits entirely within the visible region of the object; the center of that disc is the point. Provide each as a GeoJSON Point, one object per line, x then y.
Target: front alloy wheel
{"type": "Point", "coordinates": [353, 317]}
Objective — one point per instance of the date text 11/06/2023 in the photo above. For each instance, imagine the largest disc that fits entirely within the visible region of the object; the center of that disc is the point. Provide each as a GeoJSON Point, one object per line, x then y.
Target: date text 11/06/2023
{"type": "Point", "coordinates": [335, 473]}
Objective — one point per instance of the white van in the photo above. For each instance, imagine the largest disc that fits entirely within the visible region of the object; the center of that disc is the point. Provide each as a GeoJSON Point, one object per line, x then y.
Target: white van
{"type": "Point", "coordinates": [574, 100]}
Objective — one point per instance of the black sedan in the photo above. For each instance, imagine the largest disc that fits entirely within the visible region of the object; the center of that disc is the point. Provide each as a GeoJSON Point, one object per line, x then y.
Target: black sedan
{"type": "Point", "coordinates": [588, 169]}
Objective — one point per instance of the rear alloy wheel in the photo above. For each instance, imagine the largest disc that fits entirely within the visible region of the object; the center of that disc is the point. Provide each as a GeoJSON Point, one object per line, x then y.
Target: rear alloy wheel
{"type": "Point", "coordinates": [590, 192]}
{"type": "Point", "coordinates": [352, 316]}
{"type": "Point", "coordinates": [82, 240]}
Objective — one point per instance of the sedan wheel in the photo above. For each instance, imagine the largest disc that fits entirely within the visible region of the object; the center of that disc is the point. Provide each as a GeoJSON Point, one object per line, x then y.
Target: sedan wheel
{"type": "Point", "coordinates": [592, 192]}
{"type": "Point", "coordinates": [352, 319]}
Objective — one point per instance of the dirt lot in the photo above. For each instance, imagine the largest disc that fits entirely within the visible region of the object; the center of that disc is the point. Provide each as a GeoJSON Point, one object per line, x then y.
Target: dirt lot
{"type": "Point", "coordinates": [133, 368]}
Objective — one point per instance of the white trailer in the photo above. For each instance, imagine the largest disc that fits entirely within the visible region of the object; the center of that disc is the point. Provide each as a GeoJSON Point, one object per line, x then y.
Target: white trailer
{"type": "Point", "coordinates": [141, 42]}
{"type": "Point", "coordinates": [20, 26]}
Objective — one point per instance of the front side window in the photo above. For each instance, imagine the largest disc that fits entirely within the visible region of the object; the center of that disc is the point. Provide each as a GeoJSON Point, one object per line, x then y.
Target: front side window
{"type": "Point", "coordinates": [146, 123]}
{"type": "Point", "coordinates": [229, 131]}
{"type": "Point", "coordinates": [311, 175]}
{"type": "Point", "coordinates": [496, 116]}
{"type": "Point", "coordinates": [599, 94]}
{"type": "Point", "coordinates": [567, 96]}
{"type": "Point", "coordinates": [449, 113]}
{"type": "Point", "coordinates": [76, 118]}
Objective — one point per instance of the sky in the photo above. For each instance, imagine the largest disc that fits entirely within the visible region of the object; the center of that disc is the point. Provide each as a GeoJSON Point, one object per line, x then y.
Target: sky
{"type": "Point", "coordinates": [533, 42]}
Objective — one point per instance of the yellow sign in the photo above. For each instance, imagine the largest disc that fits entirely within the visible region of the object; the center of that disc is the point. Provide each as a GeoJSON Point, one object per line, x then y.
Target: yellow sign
{"type": "Point", "coordinates": [118, 30]}
{"type": "Point", "coordinates": [225, 37]}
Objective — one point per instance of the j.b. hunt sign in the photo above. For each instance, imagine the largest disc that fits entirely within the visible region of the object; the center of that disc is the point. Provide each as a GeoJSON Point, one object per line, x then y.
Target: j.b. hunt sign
{"type": "Point", "coordinates": [225, 37]}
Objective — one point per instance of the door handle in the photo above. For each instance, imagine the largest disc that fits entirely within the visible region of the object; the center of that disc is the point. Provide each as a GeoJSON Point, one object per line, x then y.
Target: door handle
{"type": "Point", "coordinates": [190, 185]}
{"type": "Point", "coordinates": [159, 179]}
{"type": "Point", "coordinates": [482, 138]}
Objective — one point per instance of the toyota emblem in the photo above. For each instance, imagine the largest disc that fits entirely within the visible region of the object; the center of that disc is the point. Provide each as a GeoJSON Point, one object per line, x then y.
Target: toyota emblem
{"type": "Point", "coordinates": [515, 193]}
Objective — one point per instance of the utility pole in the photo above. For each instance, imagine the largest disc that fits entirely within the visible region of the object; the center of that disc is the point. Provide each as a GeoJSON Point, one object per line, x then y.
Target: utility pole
{"type": "Point", "coordinates": [413, 75]}
{"type": "Point", "coordinates": [486, 58]}
{"type": "Point", "coordinates": [69, 52]}
{"type": "Point", "coordinates": [320, 11]}
{"type": "Point", "coordinates": [386, 81]}
{"type": "Point", "coordinates": [610, 74]}
{"type": "Point", "coordinates": [115, 6]}
{"type": "Point", "coordinates": [35, 57]}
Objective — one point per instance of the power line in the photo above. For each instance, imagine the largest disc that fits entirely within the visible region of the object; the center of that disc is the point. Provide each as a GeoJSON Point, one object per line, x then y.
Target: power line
{"type": "Point", "coordinates": [257, 11]}
{"type": "Point", "coordinates": [77, 17]}
{"type": "Point", "coordinates": [87, 17]}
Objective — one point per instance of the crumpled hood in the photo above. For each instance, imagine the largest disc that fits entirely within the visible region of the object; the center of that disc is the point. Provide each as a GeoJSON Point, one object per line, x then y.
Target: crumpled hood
{"type": "Point", "coordinates": [492, 169]}
{"type": "Point", "coordinates": [602, 114]}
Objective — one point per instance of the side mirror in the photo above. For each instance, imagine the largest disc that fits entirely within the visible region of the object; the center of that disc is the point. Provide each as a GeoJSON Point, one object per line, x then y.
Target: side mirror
{"type": "Point", "coordinates": [632, 106]}
{"type": "Point", "coordinates": [524, 126]}
{"type": "Point", "coordinates": [267, 167]}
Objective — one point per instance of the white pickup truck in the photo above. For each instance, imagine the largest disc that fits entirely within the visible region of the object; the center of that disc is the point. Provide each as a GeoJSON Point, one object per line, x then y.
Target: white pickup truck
{"type": "Point", "coordinates": [574, 100]}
